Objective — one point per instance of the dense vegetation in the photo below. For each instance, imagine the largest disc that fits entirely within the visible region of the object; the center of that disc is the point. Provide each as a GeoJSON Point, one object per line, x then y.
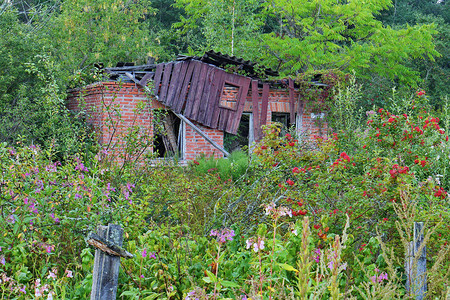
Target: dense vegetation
{"type": "Point", "coordinates": [297, 219]}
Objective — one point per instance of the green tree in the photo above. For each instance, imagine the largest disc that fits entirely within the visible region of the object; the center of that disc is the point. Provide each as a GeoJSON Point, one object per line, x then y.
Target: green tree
{"type": "Point", "coordinates": [107, 31]}
{"type": "Point", "coordinates": [228, 26]}
{"type": "Point", "coordinates": [435, 74]}
{"type": "Point", "coordinates": [31, 92]}
{"type": "Point", "coordinates": [345, 35]}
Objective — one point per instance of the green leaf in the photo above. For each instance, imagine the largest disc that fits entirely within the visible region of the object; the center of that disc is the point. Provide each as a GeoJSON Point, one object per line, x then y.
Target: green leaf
{"type": "Point", "coordinates": [227, 283]}
{"type": "Point", "coordinates": [288, 267]}
{"type": "Point", "coordinates": [211, 276]}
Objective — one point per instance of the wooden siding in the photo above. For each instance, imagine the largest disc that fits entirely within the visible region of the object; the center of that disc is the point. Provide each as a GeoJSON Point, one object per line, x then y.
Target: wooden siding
{"type": "Point", "coordinates": [193, 89]}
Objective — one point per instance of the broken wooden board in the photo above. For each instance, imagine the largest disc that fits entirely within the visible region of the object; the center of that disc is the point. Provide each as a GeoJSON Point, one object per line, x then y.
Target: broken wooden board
{"type": "Point", "coordinates": [255, 110]}
{"type": "Point", "coordinates": [291, 101]}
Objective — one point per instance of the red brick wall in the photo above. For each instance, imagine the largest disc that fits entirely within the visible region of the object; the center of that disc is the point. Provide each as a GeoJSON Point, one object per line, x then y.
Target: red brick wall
{"type": "Point", "coordinates": [115, 108]}
{"type": "Point", "coordinates": [197, 145]}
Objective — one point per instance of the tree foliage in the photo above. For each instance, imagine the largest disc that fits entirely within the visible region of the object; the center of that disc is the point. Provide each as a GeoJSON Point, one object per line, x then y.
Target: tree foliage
{"type": "Point", "coordinates": [345, 35]}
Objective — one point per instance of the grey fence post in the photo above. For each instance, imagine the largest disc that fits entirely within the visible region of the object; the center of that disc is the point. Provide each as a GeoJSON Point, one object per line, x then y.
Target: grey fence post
{"type": "Point", "coordinates": [106, 267]}
{"type": "Point", "coordinates": [416, 265]}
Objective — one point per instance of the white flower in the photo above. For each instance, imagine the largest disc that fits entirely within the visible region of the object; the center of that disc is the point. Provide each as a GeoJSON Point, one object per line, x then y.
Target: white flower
{"type": "Point", "coordinates": [249, 243]}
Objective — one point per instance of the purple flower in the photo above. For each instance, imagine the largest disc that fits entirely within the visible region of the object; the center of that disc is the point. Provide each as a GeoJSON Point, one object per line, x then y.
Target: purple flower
{"type": "Point", "coordinates": [109, 187]}
{"type": "Point", "coordinates": [23, 290]}
{"type": "Point", "coordinates": [152, 255]}
{"type": "Point", "coordinates": [144, 253]}
{"type": "Point", "coordinates": [142, 276]}
{"type": "Point", "coordinates": [78, 196]}
{"type": "Point", "coordinates": [223, 235]}
{"type": "Point", "coordinates": [2, 260]}
{"type": "Point", "coordinates": [330, 264]}
{"type": "Point", "coordinates": [130, 186]}
{"type": "Point", "coordinates": [11, 219]}
{"type": "Point", "coordinates": [81, 167]}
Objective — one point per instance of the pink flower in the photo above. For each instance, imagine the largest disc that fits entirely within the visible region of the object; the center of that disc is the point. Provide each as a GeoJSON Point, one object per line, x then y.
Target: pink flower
{"type": "Point", "coordinates": [144, 253]}
{"type": "Point", "coordinates": [258, 245]}
{"type": "Point", "coordinates": [69, 274]}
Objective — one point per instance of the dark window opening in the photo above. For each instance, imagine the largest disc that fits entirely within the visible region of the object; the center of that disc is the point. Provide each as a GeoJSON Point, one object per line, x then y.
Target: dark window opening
{"type": "Point", "coordinates": [284, 119]}
{"type": "Point", "coordinates": [168, 134]}
{"type": "Point", "coordinates": [242, 139]}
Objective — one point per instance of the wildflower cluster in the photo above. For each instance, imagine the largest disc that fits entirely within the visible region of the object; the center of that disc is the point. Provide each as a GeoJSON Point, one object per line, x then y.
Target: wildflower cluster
{"type": "Point", "coordinates": [223, 235]}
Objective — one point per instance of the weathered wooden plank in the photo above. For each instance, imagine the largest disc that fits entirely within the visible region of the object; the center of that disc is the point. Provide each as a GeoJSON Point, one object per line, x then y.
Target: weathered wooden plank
{"type": "Point", "coordinates": [187, 121]}
{"type": "Point", "coordinates": [182, 91]}
{"type": "Point", "coordinates": [264, 104]}
{"type": "Point", "coordinates": [218, 109]}
{"type": "Point", "coordinates": [212, 113]}
{"type": "Point", "coordinates": [157, 78]}
{"type": "Point", "coordinates": [235, 117]}
{"type": "Point", "coordinates": [106, 267]}
{"type": "Point", "coordinates": [192, 88]}
{"type": "Point", "coordinates": [146, 78]}
{"type": "Point", "coordinates": [255, 110]}
{"type": "Point", "coordinates": [224, 113]}
{"type": "Point", "coordinates": [165, 82]}
{"type": "Point", "coordinates": [200, 84]}
{"type": "Point", "coordinates": [223, 119]}
{"type": "Point", "coordinates": [174, 82]}
{"type": "Point", "coordinates": [205, 104]}
{"type": "Point", "coordinates": [291, 101]}
{"type": "Point", "coordinates": [416, 264]}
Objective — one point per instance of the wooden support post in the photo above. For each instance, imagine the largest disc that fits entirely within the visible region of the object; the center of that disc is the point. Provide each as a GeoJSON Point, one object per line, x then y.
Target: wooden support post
{"type": "Point", "coordinates": [416, 264]}
{"type": "Point", "coordinates": [106, 267]}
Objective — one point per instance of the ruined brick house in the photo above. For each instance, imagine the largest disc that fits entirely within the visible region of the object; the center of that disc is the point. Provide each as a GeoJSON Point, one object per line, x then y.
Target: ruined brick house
{"type": "Point", "coordinates": [203, 100]}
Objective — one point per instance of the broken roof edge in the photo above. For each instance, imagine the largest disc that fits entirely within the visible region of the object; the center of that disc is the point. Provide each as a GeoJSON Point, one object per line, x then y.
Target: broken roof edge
{"type": "Point", "coordinates": [222, 60]}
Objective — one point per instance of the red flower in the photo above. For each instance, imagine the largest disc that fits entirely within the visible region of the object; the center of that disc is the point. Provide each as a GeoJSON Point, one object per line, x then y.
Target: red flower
{"type": "Point", "coordinates": [364, 147]}
{"type": "Point", "coordinates": [423, 163]}
{"type": "Point", "coordinates": [290, 182]}
{"type": "Point", "coordinates": [292, 144]}
{"type": "Point", "coordinates": [288, 136]}
{"type": "Point", "coordinates": [295, 170]}
{"type": "Point", "coordinates": [420, 93]}
{"type": "Point", "coordinates": [317, 226]}
{"type": "Point", "coordinates": [196, 162]}
{"type": "Point", "coordinates": [392, 172]}
{"type": "Point", "coordinates": [345, 156]}
{"type": "Point", "coordinates": [302, 212]}
{"type": "Point", "coordinates": [362, 247]}
{"type": "Point", "coordinates": [263, 147]}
